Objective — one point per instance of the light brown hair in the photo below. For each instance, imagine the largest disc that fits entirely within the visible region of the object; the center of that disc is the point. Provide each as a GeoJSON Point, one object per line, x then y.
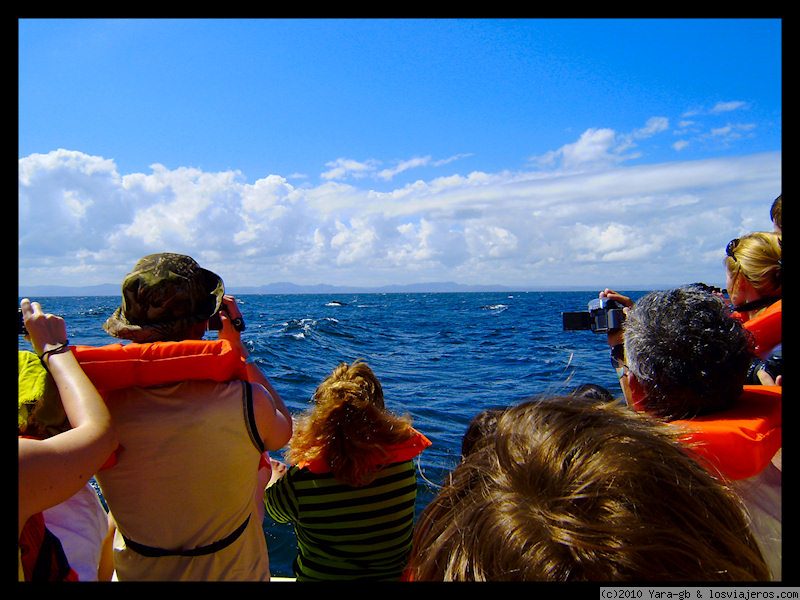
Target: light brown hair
{"type": "Point", "coordinates": [571, 490]}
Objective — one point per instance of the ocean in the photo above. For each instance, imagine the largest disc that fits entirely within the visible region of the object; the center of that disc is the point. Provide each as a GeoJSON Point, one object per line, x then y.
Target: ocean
{"type": "Point", "coordinates": [441, 358]}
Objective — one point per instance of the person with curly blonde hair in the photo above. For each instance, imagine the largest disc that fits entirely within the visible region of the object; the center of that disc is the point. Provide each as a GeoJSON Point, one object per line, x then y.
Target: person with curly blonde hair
{"type": "Point", "coordinates": [351, 490]}
{"type": "Point", "coordinates": [568, 490]}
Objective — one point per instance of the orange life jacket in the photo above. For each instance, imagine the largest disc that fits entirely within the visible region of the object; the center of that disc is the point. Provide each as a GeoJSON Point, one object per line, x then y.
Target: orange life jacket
{"type": "Point", "coordinates": [766, 327]}
{"type": "Point", "coordinates": [118, 366]}
{"type": "Point", "coordinates": [399, 452]}
{"type": "Point", "coordinates": [741, 441]}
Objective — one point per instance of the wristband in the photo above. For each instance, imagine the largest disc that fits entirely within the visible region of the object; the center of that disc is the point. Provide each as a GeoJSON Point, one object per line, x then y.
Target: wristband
{"type": "Point", "coordinates": [63, 347]}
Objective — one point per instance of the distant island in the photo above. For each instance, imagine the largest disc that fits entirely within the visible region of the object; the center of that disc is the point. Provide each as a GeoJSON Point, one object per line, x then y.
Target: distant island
{"type": "Point", "coordinates": [109, 289]}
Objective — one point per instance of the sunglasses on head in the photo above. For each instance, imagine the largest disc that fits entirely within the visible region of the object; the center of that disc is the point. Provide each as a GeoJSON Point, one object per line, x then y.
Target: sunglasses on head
{"type": "Point", "coordinates": [731, 247]}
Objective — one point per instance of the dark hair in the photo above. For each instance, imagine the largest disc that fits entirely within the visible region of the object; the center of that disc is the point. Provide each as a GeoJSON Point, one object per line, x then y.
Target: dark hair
{"type": "Point", "coordinates": [775, 212]}
{"type": "Point", "coordinates": [479, 429]}
{"type": "Point", "coordinates": [592, 391]}
{"type": "Point", "coordinates": [688, 353]}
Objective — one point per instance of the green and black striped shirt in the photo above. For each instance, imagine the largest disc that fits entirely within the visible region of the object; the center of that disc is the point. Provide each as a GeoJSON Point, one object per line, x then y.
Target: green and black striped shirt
{"type": "Point", "coordinates": [345, 532]}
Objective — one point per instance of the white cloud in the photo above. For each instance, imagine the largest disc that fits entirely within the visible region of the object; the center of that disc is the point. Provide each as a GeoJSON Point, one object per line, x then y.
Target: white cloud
{"type": "Point", "coordinates": [732, 131]}
{"type": "Point", "coordinates": [718, 108]}
{"type": "Point", "coordinates": [346, 167]}
{"type": "Point", "coordinates": [405, 165]}
{"type": "Point", "coordinates": [80, 222]}
{"type": "Point", "coordinates": [653, 126]}
{"type": "Point", "coordinates": [600, 148]}
{"type": "Point", "coordinates": [721, 107]}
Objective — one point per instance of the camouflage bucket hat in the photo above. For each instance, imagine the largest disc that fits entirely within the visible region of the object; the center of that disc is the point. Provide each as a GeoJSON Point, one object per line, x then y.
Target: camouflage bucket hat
{"type": "Point", "coordinates": [163, 297]}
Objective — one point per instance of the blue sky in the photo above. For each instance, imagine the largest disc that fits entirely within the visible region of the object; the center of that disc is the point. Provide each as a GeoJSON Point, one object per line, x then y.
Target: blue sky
{"type": "Point", "coordinates": [532, 152]}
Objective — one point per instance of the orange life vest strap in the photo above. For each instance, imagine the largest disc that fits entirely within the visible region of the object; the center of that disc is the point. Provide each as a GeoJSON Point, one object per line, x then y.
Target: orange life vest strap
{"type": "Point", "coordinates": [739, 442]}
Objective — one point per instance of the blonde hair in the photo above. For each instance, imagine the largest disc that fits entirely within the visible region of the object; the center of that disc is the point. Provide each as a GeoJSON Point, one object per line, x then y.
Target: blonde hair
{"type": "Point", "coordinates": [348, 425]}
{"type": "Point", "coordinates": [757, 256]}
{"type": "Point", "coordinates": [570, 490]}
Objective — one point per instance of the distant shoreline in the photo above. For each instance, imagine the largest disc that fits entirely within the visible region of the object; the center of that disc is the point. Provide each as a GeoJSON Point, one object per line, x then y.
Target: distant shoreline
{"type": "Point", "coordinates": [113, 290]}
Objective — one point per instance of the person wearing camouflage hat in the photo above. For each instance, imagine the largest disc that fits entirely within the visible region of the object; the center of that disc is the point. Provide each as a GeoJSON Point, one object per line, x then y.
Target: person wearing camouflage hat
{"type": "Point", "coordinates": [182, 491]}
{"type": "Point", "coordinates": [164, 297]}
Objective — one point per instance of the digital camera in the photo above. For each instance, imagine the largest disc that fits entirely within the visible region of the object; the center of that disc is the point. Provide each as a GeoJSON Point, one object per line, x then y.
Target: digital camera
{"type": "Point", "coordinates": [604, 315]}
{"type": "Point", "coordinates": [22, 330]}
{"type": "Point", "coordinates": [215, 321]}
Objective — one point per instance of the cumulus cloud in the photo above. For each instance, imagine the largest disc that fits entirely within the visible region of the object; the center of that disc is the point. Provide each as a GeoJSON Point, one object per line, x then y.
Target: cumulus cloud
{"type": "Point", "coordinates": [81, 222]}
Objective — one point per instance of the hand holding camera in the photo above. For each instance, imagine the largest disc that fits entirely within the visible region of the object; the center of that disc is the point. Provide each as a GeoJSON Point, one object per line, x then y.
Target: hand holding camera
{"type": "Point", "coordinates": [215, 320]}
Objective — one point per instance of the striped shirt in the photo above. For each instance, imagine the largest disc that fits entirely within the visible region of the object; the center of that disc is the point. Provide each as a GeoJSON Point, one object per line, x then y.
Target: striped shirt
{"type": "Point", "coordinates": [345, 532]}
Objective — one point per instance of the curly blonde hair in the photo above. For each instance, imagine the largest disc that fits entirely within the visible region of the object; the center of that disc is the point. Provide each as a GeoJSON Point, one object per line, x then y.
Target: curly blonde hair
{"type": "Point", "coordinates": [348, 425]}
{"type": "Point", "coordinates": [570, 490]}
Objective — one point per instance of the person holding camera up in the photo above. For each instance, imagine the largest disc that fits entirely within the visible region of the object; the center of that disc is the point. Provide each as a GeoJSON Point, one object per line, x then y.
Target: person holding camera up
{"type": "Point", "coordinates": [182, 492]}
{"type": "Point", "coordinates": [681, 357]}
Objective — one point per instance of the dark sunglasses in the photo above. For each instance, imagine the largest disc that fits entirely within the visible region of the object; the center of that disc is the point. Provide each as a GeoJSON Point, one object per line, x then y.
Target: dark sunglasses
{"type": "Point", "coordinates": [731, 247]}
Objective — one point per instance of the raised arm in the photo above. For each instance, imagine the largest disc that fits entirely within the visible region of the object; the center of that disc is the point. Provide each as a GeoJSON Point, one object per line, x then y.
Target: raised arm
{"type": "Point", "coordinates": [272, 416]}
{"type": "Point", "coordinates": [53, 469]}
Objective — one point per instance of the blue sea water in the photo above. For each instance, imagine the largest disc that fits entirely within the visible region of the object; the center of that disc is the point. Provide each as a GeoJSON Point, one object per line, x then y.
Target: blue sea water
{"type": "Point", "coordinates": [441, 358]}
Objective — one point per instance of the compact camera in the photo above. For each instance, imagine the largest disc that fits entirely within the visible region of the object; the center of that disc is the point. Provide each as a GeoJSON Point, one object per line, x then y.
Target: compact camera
{"type": "Point", "coordinates": [604, 315]}
{"type": "Point", "coordinates": [22, 330]}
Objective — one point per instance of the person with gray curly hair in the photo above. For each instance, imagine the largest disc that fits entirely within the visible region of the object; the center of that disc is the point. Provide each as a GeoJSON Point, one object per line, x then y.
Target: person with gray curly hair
{"type": "Point", "coordinates": [683, 358]}
{"type": "Point", "coordinates": [687, 355]}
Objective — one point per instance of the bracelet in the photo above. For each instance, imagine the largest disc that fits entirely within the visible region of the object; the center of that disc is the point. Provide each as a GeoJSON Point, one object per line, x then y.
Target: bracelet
{"type": "Point", "coordinates": [63, 347]}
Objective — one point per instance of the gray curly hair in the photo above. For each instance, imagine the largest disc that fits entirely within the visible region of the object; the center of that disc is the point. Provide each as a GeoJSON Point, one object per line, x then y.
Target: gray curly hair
{"type": "Point", "coordinates": [686, 350]}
